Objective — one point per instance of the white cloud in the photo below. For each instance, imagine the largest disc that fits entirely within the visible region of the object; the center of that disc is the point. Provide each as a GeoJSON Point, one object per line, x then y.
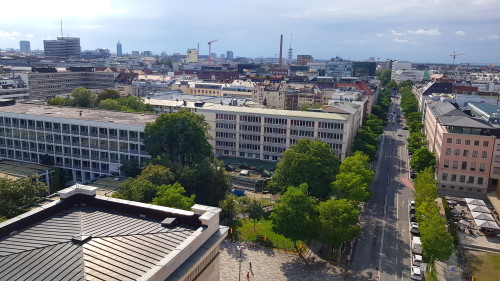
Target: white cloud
{"type": "Point", "coordinates": [397, 33]}
{"type": "Point", "coordinates": [459, 33]}
{"type": "Point", "coordinates": [492, 36]}
{"type": "Point", "coordinates": [396, 40]}
{"type": "Point", "coordinates": [8, 34]}
{"type": "Point", "coordinates": [92, 26]}
{"type": "Point", "coordinates": [380, 34]}
{"type": "Point", "coordinates": [430, 32]}
{"type": "Point", "coordinates": [31, 35]}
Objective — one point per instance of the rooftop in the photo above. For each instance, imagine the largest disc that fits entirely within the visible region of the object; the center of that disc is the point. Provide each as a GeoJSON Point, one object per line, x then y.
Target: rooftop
{"type": "Point", "coordinates": [17, 170]}
{"type": "Point", "coordinates": [277, 112]}
{"type": "Point", "coordinates": [89, 237]}
{"type": "Point", "coordinates": [86, 114]}
{"type": "Point", "coordinates": [448, 115]}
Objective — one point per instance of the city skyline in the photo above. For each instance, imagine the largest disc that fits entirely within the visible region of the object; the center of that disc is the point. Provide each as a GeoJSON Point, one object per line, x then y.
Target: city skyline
{"type": "Point", "coordinates": [417, 31]}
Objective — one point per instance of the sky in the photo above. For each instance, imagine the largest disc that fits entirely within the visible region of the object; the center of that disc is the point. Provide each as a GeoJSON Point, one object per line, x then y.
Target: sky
{"type": "Point", "coordinates": [412, 30]}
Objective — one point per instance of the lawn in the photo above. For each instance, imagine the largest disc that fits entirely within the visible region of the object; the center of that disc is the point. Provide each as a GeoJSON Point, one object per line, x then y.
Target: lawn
{"type": "Point", "coordinates": [484, 265]}
{"type": "Point", "coordinates": [263, 233]}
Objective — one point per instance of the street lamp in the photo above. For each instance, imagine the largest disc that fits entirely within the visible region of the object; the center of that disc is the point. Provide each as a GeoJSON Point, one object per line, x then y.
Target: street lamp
{"type": "Point", "coordinates": [239, 249]}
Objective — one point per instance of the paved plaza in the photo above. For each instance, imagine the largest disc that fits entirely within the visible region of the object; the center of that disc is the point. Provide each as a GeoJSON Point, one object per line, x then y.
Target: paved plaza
{"type": "Point", "coordinates": [272, 265]}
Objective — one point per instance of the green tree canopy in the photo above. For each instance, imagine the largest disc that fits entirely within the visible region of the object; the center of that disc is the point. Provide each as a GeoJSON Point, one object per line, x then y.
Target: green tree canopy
{"type": "Point", "coordinates": [366, 148]}
{"type": "Point", "coordinates": [136, 189]}
{"type": "Point", "coordinates": [407, 83]}
{"type": "Point", "coordinates": [422, 159]}
{"type": "Point", "coordinates": [179, 137]}
{"type": "Point", "coordinates": [107, 94]}
{"type": "Point", "coordinates": [83, 97]}
{"type": "Point", "coordinates": [309, 161]}
{"type": "Point", "coordinates": [384, 76]}
{"type": "Point", "coordinates": [437, 242]}
{"type": "Point", "coordinates": [157, 174]}
{"type": "Point", "coordinates": [416, 141]}
{"type": "Point", "coordinates": [295, 216]}
{"type": "Point", "coordinates": [367, 136]}
{"type": "Point", "coordinates": [229, 209]}
{"type": "Point", "coordinates": [172, 195]}
{"type": "Point", "coordinates": [14, 194]}
{"type": "Point", "coordinates": [375, 124]}
{"type": "Point", "coordinates": [59, 101]}
{"type": "Point", "coordinates": [110, 104]}
{"type": "Point", "coordinates": [255, 211]}
{"type": "Point", "coordinates": [130, 168]}
{"type": "Point", "coordinates": [338, 221]}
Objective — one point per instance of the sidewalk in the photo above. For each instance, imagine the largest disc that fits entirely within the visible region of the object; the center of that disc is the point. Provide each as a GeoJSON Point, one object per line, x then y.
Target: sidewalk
{"type": "Point", "coordinates": [449, 270]}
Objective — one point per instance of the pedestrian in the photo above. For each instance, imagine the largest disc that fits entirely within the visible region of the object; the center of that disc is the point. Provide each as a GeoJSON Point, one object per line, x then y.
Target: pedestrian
{"type": "Point", "coordinates": [250, 265]}
{"type": "Point", "coordinates": [248, 275]}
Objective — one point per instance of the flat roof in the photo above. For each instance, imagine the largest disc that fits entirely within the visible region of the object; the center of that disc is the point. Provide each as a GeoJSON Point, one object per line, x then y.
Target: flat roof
{"type": "Point", "coordinates": [87, 114]}
{"type": "Point", "coordinates": [277, 112]}
{"type": "Point", "coordinates": [85, 237]}
{"type": "Point", "coordinates": [16, 170]}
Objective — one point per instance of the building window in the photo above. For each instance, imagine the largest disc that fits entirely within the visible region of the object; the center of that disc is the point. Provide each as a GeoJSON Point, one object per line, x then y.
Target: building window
{"type": "Point", "coordinates": [474, 153]}
{"type": "Point", "coordinates": [481, 167]}
{"type": "Point", "coordinates": [456, 152]}
{"type": "Point", "coordinates": [448, 140]}
{"type": "Point", "coordinates": [478, 190]}
{"type": "Point", "coordinates": [479, 180]}
{"type": "Point", "coordinates": [452, 187]}
{"type": "Point", "coordinates": [467, 142]}
{"type": "Point", "coordinates": [446, 163]}
{"type": "Point", "coordinates": [462, 178]}
{"type": "Point", "coordinates": [476, 143]}
{"type": "Point", "coordinates": [464, 165]}
{"type": "Point", "coordinates": [458, 141]}
{"type": "Point", "coordinates": [453, 177]}
{"type": "Point", "coordinates": [484, 154]}
{"type": "Point", "coordinates": [465, 153]}
{"type": "Point", "coordinates": [460, 188]}
{"type": "Point", "coordinates": [444, 177]}
{"type": "Point", "coordinates": [486, 143]}
{"type": "Point", "coordinates": [447, 151]}
{"type": "Point", "coordinates": [473, 166]}
{"type": "Point", "coordinates": [455, 164]}
{"type": "Point", "coordinates": [471, 179]}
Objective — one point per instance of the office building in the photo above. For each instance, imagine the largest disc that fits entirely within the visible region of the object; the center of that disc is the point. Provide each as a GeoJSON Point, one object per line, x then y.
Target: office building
{"type": "Point", "coordinates": [119, 49]}
{"type": "Point", "coordinates": [304, 59]}
{"type": "Point", "coordinates": [192, 56]}
{"type": "Point", "coordinates": [62, 47]}
{"type": "Point", "coordinates": [48, 82]}
{"type": "Point", "coordinates": [229, 55]}
{"type": "Point", "coordinates": [86, 143]}
{"type": "Point", "coordinates": [13, 88]}
{"type": "Point", "coordinates": [24, 46]}
{"type": "Point", "coordinates": [338, 67]}
{"type": "Point", "coordinates": [84, 236]}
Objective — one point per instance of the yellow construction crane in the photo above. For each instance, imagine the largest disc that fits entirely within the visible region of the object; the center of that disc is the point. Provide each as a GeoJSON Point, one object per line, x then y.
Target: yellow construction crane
{"type": "Point", "coordinates": [454, 55]}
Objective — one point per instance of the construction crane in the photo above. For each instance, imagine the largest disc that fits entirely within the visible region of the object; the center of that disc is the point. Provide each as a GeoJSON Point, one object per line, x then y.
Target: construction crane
{"type": "Point", "coordinates": [454, 55]}
{"type": "Point", "coordinates": [210, 50]}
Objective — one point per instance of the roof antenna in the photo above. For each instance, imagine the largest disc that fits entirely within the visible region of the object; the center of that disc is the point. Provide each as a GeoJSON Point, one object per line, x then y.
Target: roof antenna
{"type": "Point", "coordinates": [62, 36]}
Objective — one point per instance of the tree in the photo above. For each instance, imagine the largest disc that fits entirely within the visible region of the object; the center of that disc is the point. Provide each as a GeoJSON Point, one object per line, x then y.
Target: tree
{"type": "Point", "coordinates": [295, 216]}
{"type": "Point", "coordinates": [407, 83]}
{"type": "Point", "coordinates": [130, 168]}
{"type": "Point", "coordinates": [59, 101]}
{"type": "Point", "coordinates": [425, 187]}
{"type": "Point", "coordinates": [229, 209]}
{"type": "Point", "coordinates": [83, 97]}
{"type": "Point", "coordinates": [437, 242]}
{"type": "Point", "coordinates": [309, 161]}
{"type": "Point", "coordinates": [179, 137]}
{"type": "Point", "coordinates": [307, 106]}
{"type": "Point", "coordinates": [255, 211]}
{"type": "Point", "coordinates": [353, 178]}
{"type": "Point", "coordinates": [422, 158]}
{"type": "Point", "coordinates": [157, 174]}
{"type": "Point", "coordinates": [367, 136]}
{"type": "Point", "coordinates": [107, 94]}
{"type": "Point", "coordinates": [384, 76]}
{"type": "Point", "coordinates": [366, 148]}
{"type": "Point", "coordinates": [109, 104]}
{"type": "Point", "coordinates": [392, 85]}
{"type": "Point", "coordinates": [173, 196]}
{"type": "Point", "coordinates": [338, 221]}
{"type": "Point", "coordinates": [135, 189]}
{"type": "Point", "coordinates": [14, 194]}
{"type": "Point", "coordinates": [375, 124]}
{"type": "Point", "coordinates": [416, 141]}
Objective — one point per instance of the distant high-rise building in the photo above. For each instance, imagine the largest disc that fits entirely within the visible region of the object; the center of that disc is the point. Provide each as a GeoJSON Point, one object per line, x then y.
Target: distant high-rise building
{"type": "Point", "coordinates": [147, 53]}
{"type": "Point", "coordinates": [24, 46]}
{"type": "Point", "coordinates": [135, 53]}
{"type": "Point", "coordinates": [192, 56]}
{"type": "Point", "coordinates": [229, 55]}
{"type": "Point", "coordinates": [222, 56]}
{"type": "Point", "coordinates": [304, 59]}
{"type": "Point", "coordinates": [62, 47]}
{"type": "Point", "coordinates": [119, 49]}
{"type": "Point", "coordinates": [213, 55]}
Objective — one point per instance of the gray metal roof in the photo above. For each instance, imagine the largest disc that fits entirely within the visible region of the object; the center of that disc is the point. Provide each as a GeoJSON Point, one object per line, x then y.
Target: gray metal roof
{"type": "Point", "coordinates": [448, 115]}
{"type": "Point", "coordinates": [121, 246]}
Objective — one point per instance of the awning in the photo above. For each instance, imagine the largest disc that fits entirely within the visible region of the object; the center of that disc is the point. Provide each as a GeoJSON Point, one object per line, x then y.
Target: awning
{"type": "Point", "coordinates": [476, 202]}
{"type": "Point", "coordinates": [464, 223]}
{"type": "Point", "coordinates": [480, 209]}
{"type": "Point", "coordinates": [482, 216]}
{"type": "Point", "coordinates": [486, 224]}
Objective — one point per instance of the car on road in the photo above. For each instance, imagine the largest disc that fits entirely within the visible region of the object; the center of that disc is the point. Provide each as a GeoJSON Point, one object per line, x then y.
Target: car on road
{"type": "Point", "coordinates": [414, 229]}
{"type": "Point", "coordinates": [411, 203]}
{"type": "Point", "coordinates": [405, 128]}
{"type": "Point", "coordinates": [415, 273]}
{"type": "Point", "coordinates": [416, 260]}
{"type": "Point", "coordinates": [412, 209]}
{"type": "Point", "coordinates": [413, 218]}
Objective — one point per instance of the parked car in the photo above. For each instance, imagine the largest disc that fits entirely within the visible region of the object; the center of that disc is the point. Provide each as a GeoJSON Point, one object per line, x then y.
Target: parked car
{"type": "Point", "coordinates": [411, 203]}
{"type": "Point", "coordinates": [405, 128]}
{"type": "Point", "coordinates": [416, 260]}
{"type": "Point", "coordinates": [415, 273]}
{"type": "Point", "coordinates": [412, 209]}
{"type": "Point", "coordinates": [414, 230]}
{"type": "Point", "coordinates": [413, 218]}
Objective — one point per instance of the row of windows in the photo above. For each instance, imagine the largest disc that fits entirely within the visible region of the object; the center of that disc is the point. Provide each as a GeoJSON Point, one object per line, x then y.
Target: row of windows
{"type": "Point", "coordinates": [249, 146]}
{"type": "Point", "coordinates": [225, 126]}
{"type": "Point", "coordinates": [333, 126]}
{"type": "Point", "coordinates": [332, 136]}
{"type": "Point", "coordinates": [252, 119]}
{"type": "Point", "coordinates": [274, 149]}
{"type": "Point", "coordinates": [225, 135]}
{"type": "Point", "coordinates": [275, 121]}
{"type": "Point", "coordinates": [250, 137]}
{"type": "Point", "coordinates": [249, 128]}
{"type": "Point", "coordinates": [220, 116]}
{"type": "Point", "coordinates": [464, 165]}
{"type": "Point", "coordinates": [225, 143]}
{"type": "Point", "coordinates": [73, 141]}
{"type": "Point", "coordinates": [461, 188]}
{"type": "Point", "coordinates": [453, 177]}
{"type": "Point", "coordinates": [302, 133]}
{"type": "Point", "coordinates": [302, 123]}
{"type": "Point", "coordinates": [465, 152]}
{"type": "Point", "coordinates": [274, 140]}
{"type": "Point", "coordinates": [278, 131]}
{"type": "Point", "coordinates": [466, 142]}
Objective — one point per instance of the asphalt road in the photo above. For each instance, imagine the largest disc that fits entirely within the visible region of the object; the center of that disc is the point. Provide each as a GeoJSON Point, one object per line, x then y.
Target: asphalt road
{"type": "Point", "coordinates": [382, 251]}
